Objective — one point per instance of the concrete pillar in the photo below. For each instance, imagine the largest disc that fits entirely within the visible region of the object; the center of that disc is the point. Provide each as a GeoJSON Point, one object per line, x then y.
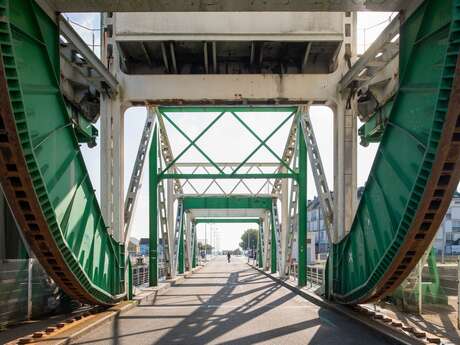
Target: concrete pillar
{"type": "Point", "coordinates": [106, 148]}
{"type": "Point", "coordinates": [112, 140]}
{"type": "Point", "coordinates": [345, 169]}
{"type": "Point", "coordinates": [118, 175]}
{"type": "Point", "coordinates": [112, 165]}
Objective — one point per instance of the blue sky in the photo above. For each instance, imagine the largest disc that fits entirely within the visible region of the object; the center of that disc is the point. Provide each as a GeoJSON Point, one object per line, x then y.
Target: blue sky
{"type": "Point", "coordinates": [87, 25]}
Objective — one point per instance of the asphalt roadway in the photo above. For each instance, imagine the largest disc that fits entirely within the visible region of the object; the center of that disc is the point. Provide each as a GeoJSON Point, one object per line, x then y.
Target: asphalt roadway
{"type": "Point", "coordinates": [231, 303]}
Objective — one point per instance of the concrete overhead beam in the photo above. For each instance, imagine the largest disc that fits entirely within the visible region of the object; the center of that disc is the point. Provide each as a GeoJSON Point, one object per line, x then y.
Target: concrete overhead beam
{"type": "Point", "coordinates": [229, 26]}
{"type": "Point", "coordinates": [231, 89]}
{"type": "Point", "coordinates": [226, 6]}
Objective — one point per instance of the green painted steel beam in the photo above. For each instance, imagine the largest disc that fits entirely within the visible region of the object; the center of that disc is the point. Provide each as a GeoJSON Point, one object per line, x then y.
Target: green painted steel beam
{"type": "Point", "coordinates": [153, 209]}
{"type": "Point", "coordinates": [227, 176]}
{"type": "Point", "coordinates": [72, 231]}
{"type": "Point", "coordinates": [302, 212]}
{"type": "Point", "coordinates": [263, 142]}
{"type": "Point", "coordinates": [372, 130]}
{"type": "Point", "coordinates": [130, 281]}
{"type": "Point", "coordinates": [399, 182]}
{"type": "Point", "coordinates": [181, 256]}
{"type": "Point", "coordinates": [192, 142]}
{"type": "Point", "coordinates": [223, 202]}
{"type": "Point", "coordinates": [248, 109]}
{"type": "Point", "coordinates": [194, 245]}
{"type": "Point", "coordinates": [227, 220]}
{"type": "Point", "coordinates": [273, 263]}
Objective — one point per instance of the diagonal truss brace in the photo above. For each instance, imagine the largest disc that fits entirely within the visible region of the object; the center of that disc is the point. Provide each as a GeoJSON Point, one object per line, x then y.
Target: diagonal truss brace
{"type": "Point", "coordinates": [138, 169]}
{"type": "Point", "coordinates": [324, 194]}
{"type": "Point", "coordinates": [191, 142]}
{"type": "Point", "coordinates": [288, 153]}
{"type": "Point", "coordinates": [263, 143]}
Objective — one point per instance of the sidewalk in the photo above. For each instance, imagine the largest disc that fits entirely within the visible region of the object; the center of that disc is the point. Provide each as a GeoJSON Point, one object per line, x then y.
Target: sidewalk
{"type": "Point", "coordinates": [61, 329]}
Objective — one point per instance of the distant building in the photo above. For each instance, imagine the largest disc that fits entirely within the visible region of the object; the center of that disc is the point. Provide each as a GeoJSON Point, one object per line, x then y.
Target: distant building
{"type": "Point", "coordinates": [133, 247]}
{"type": "Point", "coordinates": [144, 246]}
{"type": "Point", "coordinates": [448, 235]}
{"type": "Point", "coordinates": [315, 223]}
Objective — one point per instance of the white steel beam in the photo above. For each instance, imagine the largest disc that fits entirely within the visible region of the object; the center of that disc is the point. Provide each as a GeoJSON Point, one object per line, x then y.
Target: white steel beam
{"type": "Point", "coordinates": [267, 239]}
{"type": "Point", "coordinates": [137, 173]}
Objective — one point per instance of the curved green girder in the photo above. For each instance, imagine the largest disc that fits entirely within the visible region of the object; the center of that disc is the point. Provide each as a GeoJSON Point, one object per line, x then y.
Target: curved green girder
{"type": "Point", "coordinates": [401, 172]}
{"type": "Point", "coordinates": [74, 246]}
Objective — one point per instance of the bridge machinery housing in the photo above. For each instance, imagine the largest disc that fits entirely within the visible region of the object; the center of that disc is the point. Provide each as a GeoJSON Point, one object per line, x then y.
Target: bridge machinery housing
{"type": "Point", "coordinates": [230, 58]}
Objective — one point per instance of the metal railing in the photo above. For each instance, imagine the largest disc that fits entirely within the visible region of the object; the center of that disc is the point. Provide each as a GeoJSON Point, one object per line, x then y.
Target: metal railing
{"type": "Point", "coordinates": [315, 274]}
{"type": "Point", "coordinates": [141, 273]}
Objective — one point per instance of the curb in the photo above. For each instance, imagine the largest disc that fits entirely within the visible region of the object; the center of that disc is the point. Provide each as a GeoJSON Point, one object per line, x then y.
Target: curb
{"type": "Point", "coordinates": [382, 328]}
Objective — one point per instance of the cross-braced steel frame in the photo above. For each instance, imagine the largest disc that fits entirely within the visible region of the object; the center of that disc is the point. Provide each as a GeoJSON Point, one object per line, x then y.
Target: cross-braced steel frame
{"type": "Point", "coordinates": [180, 241]}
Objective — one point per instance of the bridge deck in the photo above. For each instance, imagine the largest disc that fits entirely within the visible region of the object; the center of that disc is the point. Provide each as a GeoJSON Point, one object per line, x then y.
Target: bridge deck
{"type": "Point", "coordinates": [231, 304]}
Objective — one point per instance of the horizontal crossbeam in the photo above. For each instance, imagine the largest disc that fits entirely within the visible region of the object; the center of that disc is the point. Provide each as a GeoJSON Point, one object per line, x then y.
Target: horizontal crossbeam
{"type": "Point", "coordinates": [228, 203]}
{"type": "Point", "coordinates": [227, 176]}
{"type": "Point", "coordinates": [253, 109]}
{"type": "Point", "coordinates": [227, 220]}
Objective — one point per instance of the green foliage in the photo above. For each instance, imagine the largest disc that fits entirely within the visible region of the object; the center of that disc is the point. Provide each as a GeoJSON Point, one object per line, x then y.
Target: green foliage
{"type": "Point", "coordinates": [250, 236]}
{"type": "Point", "coordinates": [207, 247]}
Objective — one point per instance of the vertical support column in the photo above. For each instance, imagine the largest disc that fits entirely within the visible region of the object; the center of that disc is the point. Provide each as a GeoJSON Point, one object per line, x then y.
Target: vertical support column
{"type": "Point", "coordinates": [171, 225]}
{"type": "Point", "coordinates": [181, 259]}
{"type": "Point", "coordinates": [273, 263]}
{"type": "Point", "coordinates": [194, 245]}
{"type": "Point", "coordinates": [345, 169]}
{"type": "Point", "coordinates": [188, 243]}
{"type": "Point", "coordinates": [302, 221]}
{"type": "Point", "coordinates": [350, 168]}
{"type": "Point", "coordinates": [153, 209]}
{"type": "Point", "coordinates": [267, 241]}
{"type": "Point", "coordinates": [284, 225]}
{"type": "Point", "coordinates": [112, 164]}
{"type": "Point", "coordinates": [260, 245]}
{"type": "Point", "coordinates": [118, 174]}
{"type": "Point", "coordinates": [106, 147]}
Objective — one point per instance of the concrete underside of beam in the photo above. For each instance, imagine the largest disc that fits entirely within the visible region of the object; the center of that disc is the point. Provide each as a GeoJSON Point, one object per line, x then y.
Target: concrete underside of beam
{"type": "Point", "coordinates": [225, 6]}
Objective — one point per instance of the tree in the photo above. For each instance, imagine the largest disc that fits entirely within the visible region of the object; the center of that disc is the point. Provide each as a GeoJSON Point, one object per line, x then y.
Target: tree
{"type": "Point", "coordinates": [202, 247]}
{"type": "Point", "coordinates": [237, 251]}
{"type": "Point", "coordinates": [252, 235]}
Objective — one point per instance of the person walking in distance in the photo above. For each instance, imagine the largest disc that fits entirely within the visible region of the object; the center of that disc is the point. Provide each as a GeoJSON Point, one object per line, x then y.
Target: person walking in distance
{"type": "Point", "coordinates": [228, 257]}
